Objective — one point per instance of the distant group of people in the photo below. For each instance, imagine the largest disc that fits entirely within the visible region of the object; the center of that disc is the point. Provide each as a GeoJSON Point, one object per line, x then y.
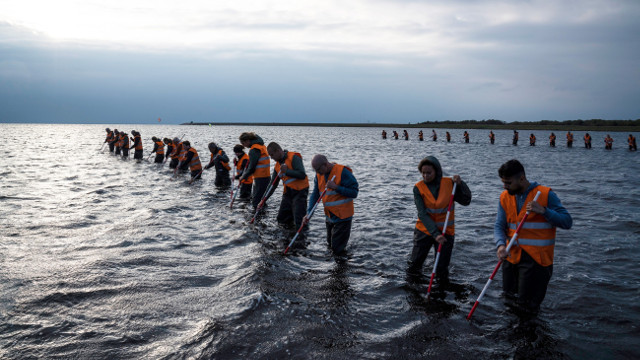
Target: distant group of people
{"type": "Point", "coordinates": [608, 140]}
{"type": "Point", "coordinates": [252, 170]}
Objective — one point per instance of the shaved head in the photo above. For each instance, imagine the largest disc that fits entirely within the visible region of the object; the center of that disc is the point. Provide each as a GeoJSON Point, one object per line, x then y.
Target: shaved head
{"type": "Point", "coordinates": [317, 161]}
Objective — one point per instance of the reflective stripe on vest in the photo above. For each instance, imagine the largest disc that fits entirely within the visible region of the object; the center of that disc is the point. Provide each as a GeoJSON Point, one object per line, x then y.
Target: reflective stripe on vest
{"type": "Point", "coordinates": [334, 203]}
{"type": "Point", "coordinates": [262, 168]}
{"type": "Point", "coordinates": [537, 236]}
{"type": "Point", "coordinates": [160, 149]}
{"type": "Point", "coordinates": [291, 182]}
{"type": "Point", "coordinates": [437, 208]}
{"type": "Point", "coordinates": [194, 164]}
{"type": "Point", "coordinates": [183, 152]}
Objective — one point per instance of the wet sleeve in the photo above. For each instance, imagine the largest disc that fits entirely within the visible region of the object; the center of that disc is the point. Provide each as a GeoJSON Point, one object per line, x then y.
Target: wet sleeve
{"type": "Point", "coordinates": [297, 170]}
{"type": "Point", "coordinates": [500, 227]}
{"type": "Point", "coordinates": [315, 194]}
{"type": "Point", "coordinates": [463, 194]}
{"type": "Point", "coordinates": [556, 214]}
{"type": "Point", "coordinates": [423, 215]}
{"type": "Point", "coordinates": [155, 148]}
{"type": "Point", "coordinates": [348, 185]}
{"type": "Point", "coordinates": [188, 157]}
{"type": "Point", "coordinates": [224, 157]}
{"type": "Point", "coordinates": [210, 164]}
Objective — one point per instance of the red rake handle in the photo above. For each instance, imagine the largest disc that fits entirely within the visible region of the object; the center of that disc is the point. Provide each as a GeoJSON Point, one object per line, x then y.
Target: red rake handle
{"type": "Point", "coordinates": [264, 199]}
{"type": "Point", "coordinates": [511, 242]}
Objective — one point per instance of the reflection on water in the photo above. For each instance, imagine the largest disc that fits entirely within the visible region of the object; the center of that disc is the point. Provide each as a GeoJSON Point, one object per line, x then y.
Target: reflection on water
{"type": "Point", "coordinates": [102, 257]}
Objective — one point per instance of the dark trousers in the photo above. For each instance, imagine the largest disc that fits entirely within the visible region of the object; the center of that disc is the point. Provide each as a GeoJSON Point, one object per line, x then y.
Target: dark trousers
{"type": "Point", "coordinates": [222, 178]}
{"type": "Point", "coordinates": [526, 282]}
{"type": "Point", "coordinates": [587, 145]}
{"type": "Point", "coordinates": [259, 187]}
{"type": "Point", "coordinates": [117, 150]}
{"type": "Point", "coordinates": [552, 143]}
{"type": "Point", "coordinates": [125, 153]}
{"type": "Point", "coordinates": [174, 163]}
{"type": "Point", "coordinates": [293, 207]}
{"type": "Point", "coordinates": [159, 158]}
{"type": "Point", "coordinates": [137, 154]}
{"type": "Point", "coordinates": [196, 174]}
{"type": "Point", "coordinates": [111, 147]}
{"type": "Point", "coordinates": [245, 191]}
{"type": "Point", "coordinates": [338, 235]}
{"type": "Point", "coordinates": [569, 143]}
{"type": "Point", "coordinates": [422, 244]}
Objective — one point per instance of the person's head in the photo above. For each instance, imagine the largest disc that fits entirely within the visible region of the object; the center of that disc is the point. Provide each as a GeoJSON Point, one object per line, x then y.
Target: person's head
{"type": "Point", "coordinates": [246, 138]}
{"type": "Point", "coordinates": [238, 150]}
{"type": "Point", "coordinates": [186, 144]}
{"type": "Point", "coordinates": [275, 151]}
{"type": "Point", "coordinates": [166, 140]}
{"type": "Point", "coordinates": [213, 147]}
{"type": "Point", "coordinates": [115, 131]}
{"type": "Point", "coordinates": [429, 168]}
{"type": "Point", "coordinates": [176, 140]}
{"type": "Point", "coordinates": [320, 164]}
{"type": "Point", "coordinates": [108, 130]}
{"type": "Point", "coordinates": [154, 139]}
{"type": "Point", "coordinates": [553, 133]}
{"type": "Point", "coordinates": [513, 177]}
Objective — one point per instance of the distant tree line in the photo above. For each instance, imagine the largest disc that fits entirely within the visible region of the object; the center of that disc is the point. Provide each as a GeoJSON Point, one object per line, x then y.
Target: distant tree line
{"type": "Point", "coordinates": [579, 122]}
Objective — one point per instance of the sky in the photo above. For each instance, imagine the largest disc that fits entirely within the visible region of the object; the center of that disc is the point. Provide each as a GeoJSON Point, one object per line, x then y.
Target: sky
{"type": "Point", "coordinates": [351, 61]}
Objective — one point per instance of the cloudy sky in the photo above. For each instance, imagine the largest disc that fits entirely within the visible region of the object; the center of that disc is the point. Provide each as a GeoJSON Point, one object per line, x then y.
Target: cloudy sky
{"type": "Point", "coordinates": [134, 61]}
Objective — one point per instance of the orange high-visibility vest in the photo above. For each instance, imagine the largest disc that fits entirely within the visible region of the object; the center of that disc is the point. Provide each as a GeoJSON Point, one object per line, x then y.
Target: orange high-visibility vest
{"type": "Point", "coordinates": [160, 149]}
{"type": "Point", "coordinates": [291, 182]}
{"type": "Point", "coordinates": [437, 208]}
{"type": "Point", "coordinates": [334, 203]}
{"type": "Point", "coordinates": [537, 236]}
{"type": "Point", "coordinates": [262, 168]}
{"type": "Point", "coordinates": [240, 168]}
{"type": "Point", "coordinates": [224, 164]}
{"type": "Point", "coordinates": [194, 164]}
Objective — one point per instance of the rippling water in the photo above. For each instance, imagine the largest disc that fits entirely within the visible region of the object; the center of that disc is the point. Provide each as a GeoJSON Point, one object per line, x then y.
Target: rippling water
{"type": "Point", "coordinates": [101, 257]}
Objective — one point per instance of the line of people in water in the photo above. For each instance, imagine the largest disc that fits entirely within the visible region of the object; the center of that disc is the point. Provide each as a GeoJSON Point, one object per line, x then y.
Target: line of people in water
{"type": "Point", "coordinates": [528, 266]}
{"type": "Point", "coordinates": [608, 140]}
{"type": "Point", "coordinates": [257, 183]}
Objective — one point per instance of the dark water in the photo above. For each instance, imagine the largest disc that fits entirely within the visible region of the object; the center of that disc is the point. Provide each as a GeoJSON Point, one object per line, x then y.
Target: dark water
{"type": "Point", "coordinates": [104, 258]}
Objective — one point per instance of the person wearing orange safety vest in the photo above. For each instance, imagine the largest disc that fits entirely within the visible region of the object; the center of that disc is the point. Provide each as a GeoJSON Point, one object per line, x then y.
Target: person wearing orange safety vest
{"type": "Point", "coordinates": [529, 265]}
{"type": "Point", "coordinates": [552, 140]}
{"type": "Point", "coordinates": [176, 150]}
{"type": "Point", "coordinates": [258, 165]}
{"type": "Point", "coordinates": [220, 162]}
{"type": "Point", "coordinates": [384, 135]}
{"type": "Point", "coordinates": [420, 135]}
{"type": "Point", "coordinates": [406, 135]}
{"type": "Point", "coordinates": [608, 142]}
{"type": "Point", "coordinates": [632, 143]}
{"type": "Point", "coordinates": [431, 196]}
{"type": "Point", "coordinates": [158, 149]}
{"type": "Point", "coordinates": [569, 139]}
{"type": "Point", "coordinates": [192, 161]}
{"type": "Point", "coordinates": [182, 155]}
{"type": "Point", "coordinates": [587, 141]}
{"type": "Point", "coordinates": [448, 136]}
{"type": "Point", "coordinates": [395, 134]}
{"type": "Point", "coordinates": [137, 145]}
{"type": "Point", "coordinates": [466, 137]}
{"type": "Point", "coordinates": [492, 137]}
{"type": "Point", "coordinates": [515, 137]}
{"type": "Point", "coordinates": [124, 144]}
{"type": "Point", "coordinates": [290, 169]}
{"type": "Point", "coordinates": [337, 201]}
{"type": "Point", "coordinates": [434, 136]}
{"type": "Point", "coordinates": [532, 140]}
{"type": "Point", "coordinates": [109, 139]}
{"type": "Point", "coordinates": [241, 162]}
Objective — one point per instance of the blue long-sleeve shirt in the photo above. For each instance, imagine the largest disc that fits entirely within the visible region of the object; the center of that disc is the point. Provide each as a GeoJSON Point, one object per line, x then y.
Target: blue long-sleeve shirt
{"type": "Point", "coordinates": [556, 215]}
{"type": "Point", "coordinates": [348, 187]}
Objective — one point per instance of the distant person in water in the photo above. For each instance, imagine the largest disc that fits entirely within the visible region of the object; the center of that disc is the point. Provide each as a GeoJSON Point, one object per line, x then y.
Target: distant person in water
{"type": "Point", "coordinates": [431, 195]}
{"type": "Point", "coordinates": [241, 163]}
{"type": "Point", "coordinates": [395, 135]}
{"type": "Point", "coordinates": [108, 139]}
{"type": "Point", "coordinates": [124, 138]}
{"type": "Point", "coordinates": [258, 165]}
{"type": "Point", "coordinates": [220, 162]}
{"type": "Point", "coordinates": [290, 169]}
{"type": "Point", "coordinates": [448, 136]}
{"type": "Point", "coordinates": [434, 136]}
{"type": "Point", "coordinates": [192, 160]}
{"type": "Point", "coordinates": [114, 142]}
{"type": "Point", "coordinates": [608, 142]}
{"type": "Point", "coordinates": [466, 137]}
{"type": "Point", "coordinates": [158, 149]}
{"type": "Point", "coordinates": [420, 135]}
{"type": "Point", "coordinates": [515, 137]}
{"type": "Point", "coordinates": [384, 135]}
{"type": "Point", "coordinates": [176, 150]}
{"type": "Point", "coordinates": [587, 141]}
{"type": "Point", "coordinates": [406, 135]}
{"type": "Point", "coordinates": [569, 139]}
{"type": "Point", "coordinates": [492, 137]}
{"type": "Point", "coordinates": [632, 143]}
{"type": "Point", "coordinates": [532, 140]}
{"type": "Point", "coordinates": [338, 201]}
{"type": "Point", "coordinates": [552, 140]}
{"type": "Point", "coordinates": [529, 264]}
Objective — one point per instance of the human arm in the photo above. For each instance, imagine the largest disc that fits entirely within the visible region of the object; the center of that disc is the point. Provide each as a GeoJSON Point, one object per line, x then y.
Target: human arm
{"type": "Point", "coordinates": [297, 170]}
{"type": "Point", "coordinates": [348, 185]}
{"type": "Point", "coordinates": [554, 213]}
{"type": "Point", "coordinates": [315, 194]}
{"type": "Point", "coordinates": [463, 193]}
{"type": "Point", "coordinates": [254, 156]}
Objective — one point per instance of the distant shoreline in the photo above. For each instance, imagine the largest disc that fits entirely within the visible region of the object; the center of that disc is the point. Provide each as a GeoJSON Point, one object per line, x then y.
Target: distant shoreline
{"type": "Point", "coordinates": [560, 126]}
